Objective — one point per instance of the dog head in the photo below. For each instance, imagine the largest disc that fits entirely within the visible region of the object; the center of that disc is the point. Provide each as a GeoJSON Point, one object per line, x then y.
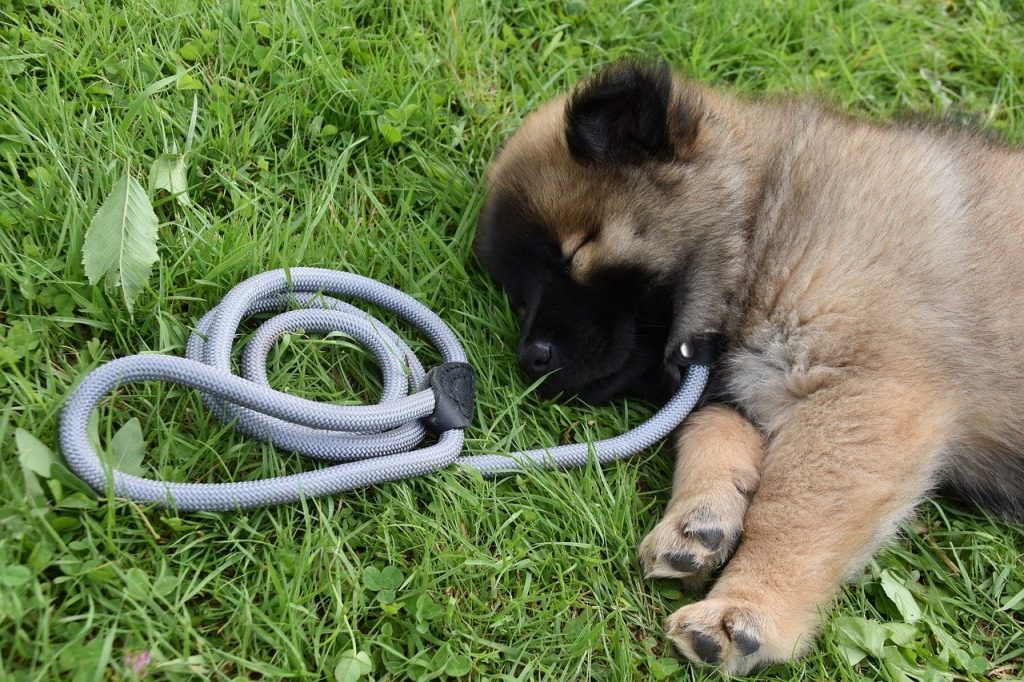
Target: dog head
{"type": "Point", "coordinates": [602, 210]}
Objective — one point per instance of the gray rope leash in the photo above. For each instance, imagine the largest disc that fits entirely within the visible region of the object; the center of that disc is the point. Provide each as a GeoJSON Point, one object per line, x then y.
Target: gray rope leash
{"type": "Point", "coordinates": [369, 443]}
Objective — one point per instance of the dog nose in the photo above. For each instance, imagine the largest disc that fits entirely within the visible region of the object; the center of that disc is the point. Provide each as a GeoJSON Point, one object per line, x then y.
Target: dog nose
{"type": "Point", "coordinates": [536, 357]}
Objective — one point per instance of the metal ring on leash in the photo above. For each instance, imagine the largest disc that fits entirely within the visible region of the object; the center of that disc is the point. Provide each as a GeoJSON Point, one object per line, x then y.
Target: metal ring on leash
{"type": "Point", "coordinates": [370, 443]}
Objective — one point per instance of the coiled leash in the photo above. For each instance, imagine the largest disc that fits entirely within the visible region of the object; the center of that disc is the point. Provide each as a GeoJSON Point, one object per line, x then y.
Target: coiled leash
{"type": "Point", "coordinates": [370, 443]}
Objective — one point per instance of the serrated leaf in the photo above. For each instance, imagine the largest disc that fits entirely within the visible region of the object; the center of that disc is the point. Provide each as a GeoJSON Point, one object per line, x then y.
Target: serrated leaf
{"type": "Point", "coordinates": [120, 244]}
{"type": "Point", "coordinates": [170, 173]}
{"type": "Point", "coordinates": [33, 454]}
{"type": "Point", "coordinates": [901, 597]}
{"type": "Point", "coordinates": [352, 666]}
{"type": "Point", "coordinates": [128, 447]}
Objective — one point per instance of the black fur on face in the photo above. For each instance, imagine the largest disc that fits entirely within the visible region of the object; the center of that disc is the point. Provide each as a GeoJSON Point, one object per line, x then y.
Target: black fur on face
{"type": "Point", "coordinates": [595, 340]}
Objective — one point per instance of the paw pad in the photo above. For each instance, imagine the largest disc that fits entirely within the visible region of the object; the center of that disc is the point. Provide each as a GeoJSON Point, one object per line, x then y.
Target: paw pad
{"type": "Point", "coordinates": [682, 561]}
{"type": "Point", "coordinates": [745, 642]}
{"type": "Point", "coordinates": [709, 537]}
{"type": "Point", "coordinates": [727, 634]}
{"type": "Point", "coordinates": [706, 647]}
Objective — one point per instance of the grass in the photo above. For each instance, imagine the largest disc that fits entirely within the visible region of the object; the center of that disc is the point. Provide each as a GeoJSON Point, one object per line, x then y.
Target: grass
{"type": "Point", "coordinates": [353, 135]}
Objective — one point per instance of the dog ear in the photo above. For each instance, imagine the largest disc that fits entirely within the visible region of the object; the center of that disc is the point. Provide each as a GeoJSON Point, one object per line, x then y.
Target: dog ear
{"type": "Point", "coordinates": [621, 115]}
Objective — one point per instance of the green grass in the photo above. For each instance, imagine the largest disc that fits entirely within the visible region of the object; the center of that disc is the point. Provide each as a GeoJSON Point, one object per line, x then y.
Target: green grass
{"type": "Point", "coordinates": [306, 152]}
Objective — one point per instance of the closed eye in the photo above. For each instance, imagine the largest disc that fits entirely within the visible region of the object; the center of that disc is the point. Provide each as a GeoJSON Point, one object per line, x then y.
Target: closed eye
{"type": "Point", "coordinates": [568, 260]}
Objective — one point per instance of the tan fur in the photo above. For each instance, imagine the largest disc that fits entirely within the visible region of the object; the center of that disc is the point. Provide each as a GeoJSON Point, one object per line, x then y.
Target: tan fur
{"type": "Point", "coordinates": [870, 280]}
{"type": "Point", "coordinates": [718, 468]}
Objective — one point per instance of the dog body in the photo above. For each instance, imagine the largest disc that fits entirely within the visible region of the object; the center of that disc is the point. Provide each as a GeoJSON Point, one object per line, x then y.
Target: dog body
{"type": "Point", "coordinates": [867, 280]}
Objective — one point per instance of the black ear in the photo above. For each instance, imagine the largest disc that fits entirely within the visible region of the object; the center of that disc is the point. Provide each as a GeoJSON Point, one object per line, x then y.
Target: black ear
{"type": "Point", "coordinates": [621, 115]}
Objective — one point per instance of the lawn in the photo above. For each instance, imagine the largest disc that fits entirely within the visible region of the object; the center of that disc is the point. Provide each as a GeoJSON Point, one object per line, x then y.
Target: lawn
{"type": "Point", "coordinates": [354, 135]}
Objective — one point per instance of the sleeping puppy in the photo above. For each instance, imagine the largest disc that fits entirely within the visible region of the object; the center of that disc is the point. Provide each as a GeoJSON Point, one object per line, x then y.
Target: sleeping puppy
{"type": "Point", "coordinates": [867, 281]}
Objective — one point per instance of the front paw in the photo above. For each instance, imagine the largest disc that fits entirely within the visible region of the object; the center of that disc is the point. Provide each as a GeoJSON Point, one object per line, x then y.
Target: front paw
{"type": "Point", "coordinates": [740, 636]}
{"type": "Point", "coordinates": [696, 536]}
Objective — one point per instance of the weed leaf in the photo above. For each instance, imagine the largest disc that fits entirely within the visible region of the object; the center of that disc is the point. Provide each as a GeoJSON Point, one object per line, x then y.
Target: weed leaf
{"type": "Point", "coordinates": [1013, 601]}
{"type": "Point", "coordinates": [459, 666]}
{"type": "Point", "coordinates": [169, 173]}
{"type": "Point", "coordinates": [121, 241]}
{"type": "Point", "coordinates": [127, 448]}
{"type": "Point", "coordinates": [13, 576]}
{"type": "Point", "coordinates": [861, 636]}
{"type": "Point", "coordinates": [391, 578]}
{"type": "Point", "coordinates": [901, 597]}
{"type": "Point", "coordinates": [33, 454]}
{"type": "Point", "coordinates": [663, 668]}
{"type": "Point", "coordinates": [352, 666]}
{"type": "Point", "coordinates": [371, 578]}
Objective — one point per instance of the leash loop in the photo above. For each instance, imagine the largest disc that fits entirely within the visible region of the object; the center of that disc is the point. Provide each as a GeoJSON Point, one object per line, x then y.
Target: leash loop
{"type": "Point", "coordinates": [366, 444]}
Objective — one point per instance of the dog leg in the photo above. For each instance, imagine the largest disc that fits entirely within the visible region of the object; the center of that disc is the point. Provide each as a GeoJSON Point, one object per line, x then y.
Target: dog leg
{"type": "Point", "coordinates": [841, 471]}
{"type": "Point", "coordinates": [718, 465]}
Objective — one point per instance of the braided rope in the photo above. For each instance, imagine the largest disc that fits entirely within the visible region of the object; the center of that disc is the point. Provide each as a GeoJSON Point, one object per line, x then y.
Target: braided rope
{"type": "Point", "coordinates": [369, 443]}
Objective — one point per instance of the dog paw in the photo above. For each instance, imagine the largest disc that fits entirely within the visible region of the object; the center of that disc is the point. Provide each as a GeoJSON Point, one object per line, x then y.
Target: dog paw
{"type": "Point", "coordinates": [740, 637]}
{"type": "Point", "coordinates": [696, 536]}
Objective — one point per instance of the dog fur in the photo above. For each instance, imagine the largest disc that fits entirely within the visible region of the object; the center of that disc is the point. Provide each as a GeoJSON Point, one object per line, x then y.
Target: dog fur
{"type": "Point", "coordinates": [867, 280]}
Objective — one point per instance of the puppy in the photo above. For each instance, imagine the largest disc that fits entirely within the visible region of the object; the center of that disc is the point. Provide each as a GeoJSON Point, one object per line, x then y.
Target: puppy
{"type": "Point", "coordinates": [867, 282]}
